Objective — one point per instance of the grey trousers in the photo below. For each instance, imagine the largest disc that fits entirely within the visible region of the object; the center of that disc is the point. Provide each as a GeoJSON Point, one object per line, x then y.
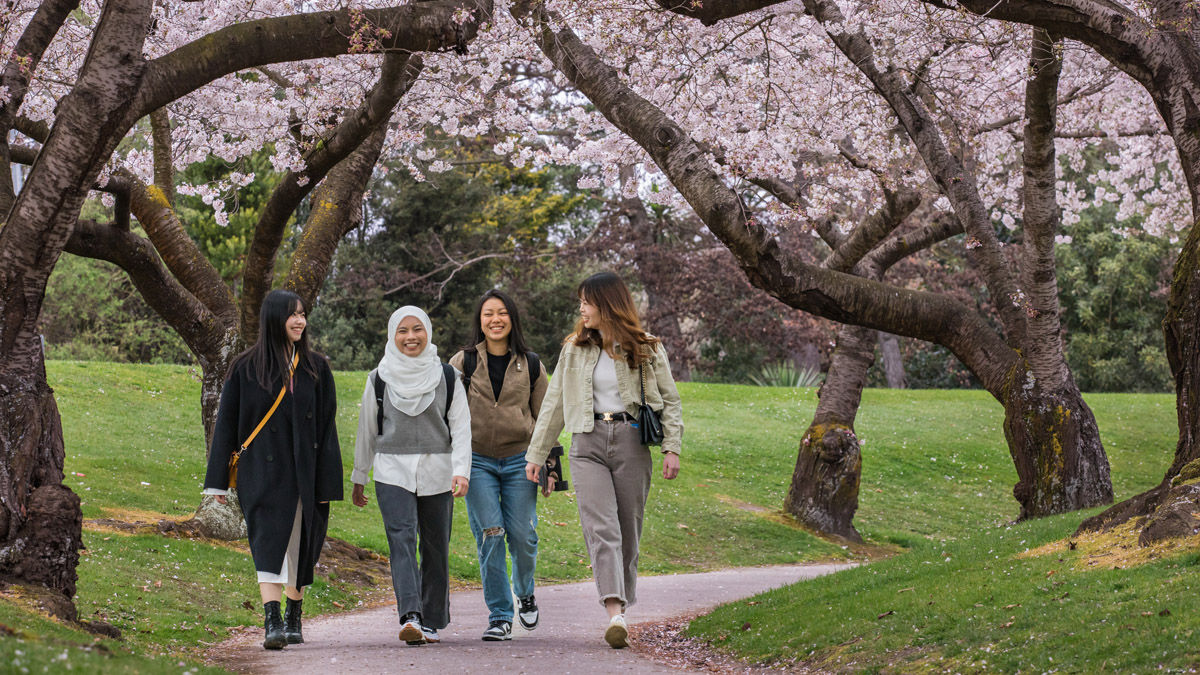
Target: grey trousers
{"type": "Point", "coordinates": [426, 589]}
{"type": "Point", "coordinates": [611, 471]}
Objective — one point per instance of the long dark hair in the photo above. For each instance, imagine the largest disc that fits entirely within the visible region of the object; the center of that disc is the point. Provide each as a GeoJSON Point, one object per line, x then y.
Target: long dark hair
{"type": "Point", "coordinates": [270, 356]}
{"type": "Point", "coordinates": [618, 317]}
{"type": "Point", "coordinates": [516, 339]}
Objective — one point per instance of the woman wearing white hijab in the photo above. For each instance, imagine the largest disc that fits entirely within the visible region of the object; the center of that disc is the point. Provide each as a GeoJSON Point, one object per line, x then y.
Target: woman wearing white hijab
{"type": "Point", "coordinates": [420, 448]}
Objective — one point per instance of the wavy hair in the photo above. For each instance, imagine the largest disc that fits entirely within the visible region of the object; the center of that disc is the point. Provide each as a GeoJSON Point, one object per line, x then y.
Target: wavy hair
{"type": "Point", "coordinates": [619, 321]}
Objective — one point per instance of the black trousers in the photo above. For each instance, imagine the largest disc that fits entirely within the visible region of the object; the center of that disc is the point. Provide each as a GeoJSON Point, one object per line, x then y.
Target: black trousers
{"type": "Point", "coordinates": [409, 519]}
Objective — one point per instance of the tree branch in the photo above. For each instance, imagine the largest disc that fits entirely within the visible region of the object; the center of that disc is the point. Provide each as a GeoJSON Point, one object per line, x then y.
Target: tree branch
{"type": "Point", "coordinates": [136, 256]}
{"type": "Point", "coordinates": [872, 230]}
{"type": "Point", "coordinates": [25, 58]}
{"type": "Point", "coordinates": [834, 295]}
{"type": "Point", "coordinates": [418, 27]}
{"type": "Point", "coordinates": [336, 209]}
{"type": "Point", "coordinates": [178, 250]}
{"type": "Point", "coordinates": [712, 11]}
{"type": "Point", "coordinates": [399, 73]}
{"type": "Point", "coordinates": [164, 164]}
{"type": "Point", "coordinates": [896, 248]}
{"type": "Point", "coordinates": [952, 178]}
{"type": "Point", "coordinates": [1041, 214]}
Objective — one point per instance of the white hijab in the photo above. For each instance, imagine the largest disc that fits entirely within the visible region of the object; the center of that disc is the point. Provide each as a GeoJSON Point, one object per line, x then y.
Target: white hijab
{"type": "Point", "coordinates": [411, 381]}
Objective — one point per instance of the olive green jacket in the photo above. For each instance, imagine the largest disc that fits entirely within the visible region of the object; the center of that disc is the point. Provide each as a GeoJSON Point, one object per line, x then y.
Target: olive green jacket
{"type": "Point", "coordinates": [568, 401]}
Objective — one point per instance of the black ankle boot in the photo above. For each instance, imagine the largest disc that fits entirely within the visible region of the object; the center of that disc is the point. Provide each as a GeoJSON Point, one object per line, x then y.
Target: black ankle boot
{"type": "Point", "coordinates": [291, 622]}
{"type": "Point", "coordinates": [273, 623]}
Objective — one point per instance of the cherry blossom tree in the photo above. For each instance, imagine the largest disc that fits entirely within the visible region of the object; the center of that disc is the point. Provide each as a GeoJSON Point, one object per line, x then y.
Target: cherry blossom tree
{"type": "Point", "coordinates": [78, 79]}
{"type": "Point", "coordinates": [1151, 41]}
{"type": "Point", "coordinates": [712, 120]}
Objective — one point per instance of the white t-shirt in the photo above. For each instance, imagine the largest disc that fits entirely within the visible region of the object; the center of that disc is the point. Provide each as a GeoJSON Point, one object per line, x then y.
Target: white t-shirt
{"type": "Point", "coordinates": [606, 397]}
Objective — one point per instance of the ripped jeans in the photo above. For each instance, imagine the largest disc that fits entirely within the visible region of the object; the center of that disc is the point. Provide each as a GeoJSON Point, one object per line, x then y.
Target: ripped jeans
{"type": "Point", "coordinates": [502, 505]}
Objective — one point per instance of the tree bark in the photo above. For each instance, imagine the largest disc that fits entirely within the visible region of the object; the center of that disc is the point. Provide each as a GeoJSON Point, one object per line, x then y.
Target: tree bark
{"type": "Point", "coordinates": [40, 518]}
{"type": "Point", "coordinates": [41, 525]}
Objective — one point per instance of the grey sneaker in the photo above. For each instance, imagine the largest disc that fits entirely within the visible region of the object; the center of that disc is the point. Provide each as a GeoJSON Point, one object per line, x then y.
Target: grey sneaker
{"type": "Point", "coordinates": [527, 613]}
{"type": "Point", "coordinates": [497, 631]}
{"type": "Point", "coordinates": [431, 635]}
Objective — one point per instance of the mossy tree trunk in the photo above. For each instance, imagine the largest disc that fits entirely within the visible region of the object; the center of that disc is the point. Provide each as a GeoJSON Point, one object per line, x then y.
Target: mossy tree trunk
{"type": "Point", "coordinates": [824, 491]}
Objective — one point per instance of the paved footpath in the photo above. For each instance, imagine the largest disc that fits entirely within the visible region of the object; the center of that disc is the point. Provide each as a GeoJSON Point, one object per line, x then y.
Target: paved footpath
{"type": "Point", "coordinates": [568, 640]}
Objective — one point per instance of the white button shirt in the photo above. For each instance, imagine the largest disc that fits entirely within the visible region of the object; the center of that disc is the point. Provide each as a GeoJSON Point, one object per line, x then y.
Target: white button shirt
{"type": "Point", "coordinates": [422, 474]}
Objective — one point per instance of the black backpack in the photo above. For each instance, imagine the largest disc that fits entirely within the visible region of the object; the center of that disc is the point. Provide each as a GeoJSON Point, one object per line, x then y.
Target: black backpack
{"type": "Point", "coordinates": [381, 386]}
{"type": "Point", "coordinates": [471, 359]}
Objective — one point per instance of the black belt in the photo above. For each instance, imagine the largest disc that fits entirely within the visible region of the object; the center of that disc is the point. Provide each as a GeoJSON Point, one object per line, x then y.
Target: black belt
{"type": "Point", "coordinates": [614, 417]}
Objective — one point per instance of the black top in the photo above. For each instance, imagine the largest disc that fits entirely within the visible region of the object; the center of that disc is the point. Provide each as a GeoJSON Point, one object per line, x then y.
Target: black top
{"type": "Point", "coordinates": [496, 367]}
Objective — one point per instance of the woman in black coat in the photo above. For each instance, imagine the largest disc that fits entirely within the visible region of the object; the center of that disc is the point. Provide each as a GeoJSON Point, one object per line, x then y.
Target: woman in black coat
{"type": "Point", "coordinates": [293, 468]}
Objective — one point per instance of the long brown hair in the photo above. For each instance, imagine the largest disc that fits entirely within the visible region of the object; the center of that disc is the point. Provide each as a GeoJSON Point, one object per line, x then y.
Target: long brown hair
{"type": "Point", "coordinates": [618, 317]}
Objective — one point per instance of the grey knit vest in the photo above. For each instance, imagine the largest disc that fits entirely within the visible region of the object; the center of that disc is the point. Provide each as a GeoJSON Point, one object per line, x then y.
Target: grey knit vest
{"type": "Point", "coordinates": [425, 433]}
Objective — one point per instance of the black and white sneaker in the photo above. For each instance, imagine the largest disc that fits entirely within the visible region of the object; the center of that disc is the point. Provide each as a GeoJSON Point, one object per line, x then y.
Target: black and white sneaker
{"type": "Point", "coordinates": [527, 613]}
{"type": "Point", "coordinates": [497, 631]}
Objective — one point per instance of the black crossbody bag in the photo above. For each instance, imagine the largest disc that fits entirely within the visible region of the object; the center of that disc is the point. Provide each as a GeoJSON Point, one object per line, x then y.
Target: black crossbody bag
{"type": "Point", "coordinates": [649, 426]}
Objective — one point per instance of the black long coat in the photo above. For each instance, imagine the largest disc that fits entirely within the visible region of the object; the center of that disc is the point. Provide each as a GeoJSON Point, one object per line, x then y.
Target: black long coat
{"type": "Point", "coordinates": [296, 457]}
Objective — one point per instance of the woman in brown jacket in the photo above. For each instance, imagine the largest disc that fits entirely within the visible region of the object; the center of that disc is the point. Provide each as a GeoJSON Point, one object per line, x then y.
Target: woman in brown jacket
{"type": "Point", "coordinates": [505, 384]}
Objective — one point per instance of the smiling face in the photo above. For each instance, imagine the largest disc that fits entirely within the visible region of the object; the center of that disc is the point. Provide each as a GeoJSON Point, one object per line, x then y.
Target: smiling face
{"type": "Point", "coordinates": [295, 324]}
{"type": "Point", "coordinates": [494, 319]}
{"type": "Point", "coordinates": [589, 313]}
{"type": "Point", "coordinates": [411, 337]}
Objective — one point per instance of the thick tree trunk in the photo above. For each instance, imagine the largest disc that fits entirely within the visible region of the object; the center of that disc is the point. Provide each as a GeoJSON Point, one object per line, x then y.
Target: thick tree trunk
{"type": "Point", "coordinates": [893, 361]}
{"type": "Point", "coordinates": [824, 490]}
{"type": "Point", "coordinates": [40, 518]}
{"type": "Point", "coordinates": [1055, 445]}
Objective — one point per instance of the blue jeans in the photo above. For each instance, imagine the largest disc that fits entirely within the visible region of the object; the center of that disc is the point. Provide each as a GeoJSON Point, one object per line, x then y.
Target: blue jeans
{"type": "Point", "coordinates": [502, 503]}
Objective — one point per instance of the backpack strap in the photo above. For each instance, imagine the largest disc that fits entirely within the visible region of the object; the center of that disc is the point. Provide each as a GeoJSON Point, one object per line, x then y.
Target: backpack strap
{"type": "Point", "coordinates": [380, 386]}
{"type": "Point", "coordinates": [535, 367]}
{"type": "Point", "coordinates": [448, 375]}
{"type": "Point", "coordinates": [470, 360]}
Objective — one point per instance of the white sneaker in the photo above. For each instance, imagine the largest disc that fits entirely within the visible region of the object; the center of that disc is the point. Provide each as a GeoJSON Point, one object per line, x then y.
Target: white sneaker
{"type": "Point", "coordinates": [617, 633]}
{"type": "Point", "coordinates": [431, 635]}
{"type": "Point", "coordinates": [410, 633]}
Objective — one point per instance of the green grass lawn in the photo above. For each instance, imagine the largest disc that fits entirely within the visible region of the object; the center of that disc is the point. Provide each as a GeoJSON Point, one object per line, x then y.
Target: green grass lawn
{"type": "Point", "coordinates": [936, 478]}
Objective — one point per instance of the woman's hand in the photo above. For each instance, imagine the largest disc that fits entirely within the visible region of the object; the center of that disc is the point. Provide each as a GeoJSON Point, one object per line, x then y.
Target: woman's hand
{"type": "Point", "coordinates": [358, 497]}
{"type": "Point", "coordinates": [531, 471]}
{"type": "Point", "coordinates": [221, 499]}
{"type": "Point", "coordinates": [670, 465]}
{"type": "Point", "coordinates": [458, 487]}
